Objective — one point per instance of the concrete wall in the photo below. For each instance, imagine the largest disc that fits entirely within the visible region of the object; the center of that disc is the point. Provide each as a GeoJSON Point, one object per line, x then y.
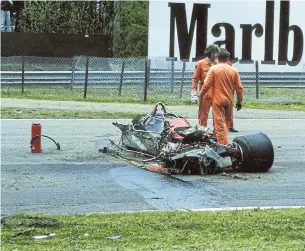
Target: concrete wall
{"type": "Point", "coordinates": [53, 45]}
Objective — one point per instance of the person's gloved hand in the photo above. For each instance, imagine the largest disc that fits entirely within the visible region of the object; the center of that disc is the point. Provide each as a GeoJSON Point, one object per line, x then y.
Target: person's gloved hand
{"type": "Point", "coordinates": [238, 106]}
{"type": "Point", "coordinates": [194, 97]}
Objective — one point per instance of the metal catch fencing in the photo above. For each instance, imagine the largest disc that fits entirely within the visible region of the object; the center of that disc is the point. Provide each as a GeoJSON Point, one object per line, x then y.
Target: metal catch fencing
{"type": "Point", "coordinates": [137, 79]}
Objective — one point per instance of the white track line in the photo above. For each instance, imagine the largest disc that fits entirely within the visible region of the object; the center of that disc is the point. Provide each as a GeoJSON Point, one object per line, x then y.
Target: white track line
{"type": "Point", "coordinates": [203, 209]}
{"type": "Point", "coordinates": [129, 119]}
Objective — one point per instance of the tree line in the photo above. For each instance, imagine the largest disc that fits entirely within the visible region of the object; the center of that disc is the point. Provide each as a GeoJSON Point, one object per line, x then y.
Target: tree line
{"type": "Point", "coordinates": [125, 22]}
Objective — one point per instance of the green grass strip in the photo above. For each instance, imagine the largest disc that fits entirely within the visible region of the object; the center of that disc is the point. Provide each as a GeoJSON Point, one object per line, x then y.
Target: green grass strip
{"type": "Point", "coordinates": [28, 113]}
{"type": "Point", "coordinates": [285, 98]}
{"type": "Point", "coordinates": [281, 229]}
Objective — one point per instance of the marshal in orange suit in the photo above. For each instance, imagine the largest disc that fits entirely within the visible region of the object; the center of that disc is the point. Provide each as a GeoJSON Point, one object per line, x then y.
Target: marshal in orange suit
{"type": "Point", "coordinates": [200, 72]}
{"type": "Point", "coordinates": [224, 80]}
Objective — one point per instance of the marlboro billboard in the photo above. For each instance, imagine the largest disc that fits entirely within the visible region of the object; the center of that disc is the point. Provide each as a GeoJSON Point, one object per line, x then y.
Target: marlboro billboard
{"type": "Point", "coordinates": [269, 31]}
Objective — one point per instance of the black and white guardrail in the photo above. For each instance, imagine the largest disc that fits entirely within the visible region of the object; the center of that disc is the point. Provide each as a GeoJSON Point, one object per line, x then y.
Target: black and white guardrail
{"type": "Point", "coordinates": [156, 78]}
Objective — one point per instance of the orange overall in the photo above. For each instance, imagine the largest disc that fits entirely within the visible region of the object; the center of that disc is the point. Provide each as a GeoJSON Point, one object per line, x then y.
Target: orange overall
{"type": "Point", "coordinates": [229, 114]}
{"type": "Point", "coordinates": [201, 70]}
{"type": "Point", "coordinates": [224, 79]}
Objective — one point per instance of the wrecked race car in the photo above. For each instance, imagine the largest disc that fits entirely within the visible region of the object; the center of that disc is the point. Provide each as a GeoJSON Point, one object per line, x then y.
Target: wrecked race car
{"type": "Point", "coordinates": [170, 140]}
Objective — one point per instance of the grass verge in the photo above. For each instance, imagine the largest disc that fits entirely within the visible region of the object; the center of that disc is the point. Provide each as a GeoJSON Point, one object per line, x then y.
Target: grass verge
{"type": "Point", "coordinates": [135, 95]}
{"type": "Point", "coordinates": [28, 113]}
{"type": "Point", "coordinates": [283, 106]}
{"type": "Point", "coordinates": [271, 98]}
{"type": "Point", "coordinates": [228, 230]}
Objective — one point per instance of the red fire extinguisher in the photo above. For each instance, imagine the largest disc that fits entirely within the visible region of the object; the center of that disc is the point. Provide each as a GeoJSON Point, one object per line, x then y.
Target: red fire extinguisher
{"type": "Point", "coordinates": [36, 138]}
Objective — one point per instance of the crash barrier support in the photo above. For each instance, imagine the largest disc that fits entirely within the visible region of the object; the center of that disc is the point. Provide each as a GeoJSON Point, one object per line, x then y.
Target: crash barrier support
{"type": "Point", "coordinates": [73, 69]}
{"type": "Point", "coordinates": [86, 77]}
{"type": "Point", "coordinates": [183, 78]}
{"type": "Point", "coordinates": [22, 74]}
{"type": "Point", "coordinates": [146, 82]}
{"type": "Point", "coordinates": [172, 60]}
{"type": "Point", "coordinates": [121, 78]}
{"type": "Point", "coordinates": [257, 79]}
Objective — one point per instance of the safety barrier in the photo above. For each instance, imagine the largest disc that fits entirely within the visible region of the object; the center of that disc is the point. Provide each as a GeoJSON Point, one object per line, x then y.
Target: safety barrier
{"type": "Point", "coordinates": [101, 79]}
{"type": "Point", "coordinates": [138, 78]}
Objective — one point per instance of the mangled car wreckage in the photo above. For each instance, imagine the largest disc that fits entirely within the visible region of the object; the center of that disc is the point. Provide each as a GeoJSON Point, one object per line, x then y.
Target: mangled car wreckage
{"type": "Point", "coordinates": [170, 140]}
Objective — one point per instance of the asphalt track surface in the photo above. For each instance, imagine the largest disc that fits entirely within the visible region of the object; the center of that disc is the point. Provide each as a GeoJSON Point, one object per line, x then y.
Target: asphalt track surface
{"type": "Point", "coordinates": [79, 179]}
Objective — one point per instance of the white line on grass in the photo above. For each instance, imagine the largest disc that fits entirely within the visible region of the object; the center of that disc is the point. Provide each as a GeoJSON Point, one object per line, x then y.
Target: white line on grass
{"type": "Point", "coordinates": [128, 119]}
{"type": "Point", "coordinates": [203, 209]}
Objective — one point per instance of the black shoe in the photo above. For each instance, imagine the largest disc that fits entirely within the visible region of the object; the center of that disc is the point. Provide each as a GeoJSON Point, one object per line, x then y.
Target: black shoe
{"type": "Point", "coordinates": [232, 130]}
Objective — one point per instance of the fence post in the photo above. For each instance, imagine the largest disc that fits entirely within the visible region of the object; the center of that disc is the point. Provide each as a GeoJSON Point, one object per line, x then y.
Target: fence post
{"type": "Point", "coordinates": [22, 73]}
{"type": "Point", "coordinates": [148, 77]}
{"type": "Point", "coordinates": [172, 59]}
{"type": "Point", "coordinates": [146, 82]}
{"type": "Point", "coordinates": [86, 77]}
{"type": "Point", "coordinates": [121, 79]}
{"type": "Point", "coordinates": [73, 72]}
{"type": "Point", "coordinates": [182, 81]}
{"type": "Point", "coordinates": [257, 79]}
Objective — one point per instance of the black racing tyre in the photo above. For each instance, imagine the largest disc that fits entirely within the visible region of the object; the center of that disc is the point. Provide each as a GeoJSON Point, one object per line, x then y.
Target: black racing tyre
{"type": "Point", "coordinates": [257, 153]}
